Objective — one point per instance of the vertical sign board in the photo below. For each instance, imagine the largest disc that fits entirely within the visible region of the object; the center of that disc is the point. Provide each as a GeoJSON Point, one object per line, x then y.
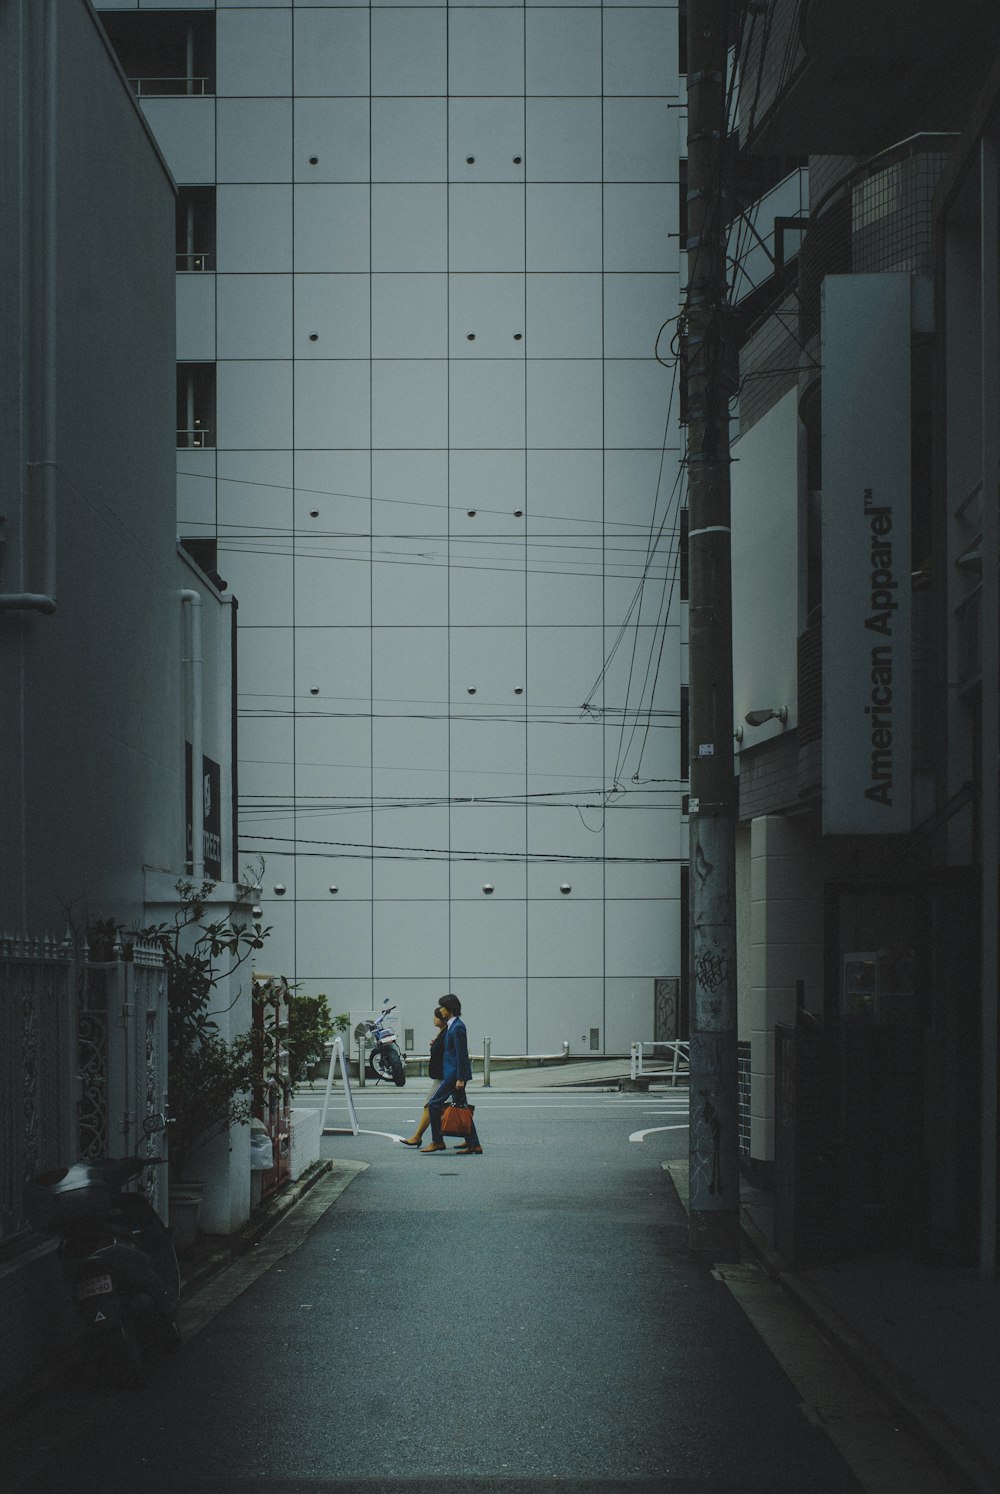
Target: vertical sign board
{"type": "Point", "coordinates": [210, 808]}
{"type": "Point", "coordinates": [866, 554]}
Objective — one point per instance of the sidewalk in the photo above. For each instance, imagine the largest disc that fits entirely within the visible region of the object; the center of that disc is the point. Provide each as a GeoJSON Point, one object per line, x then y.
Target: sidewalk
{"type": "Point", "coordinates": [926, 1337]}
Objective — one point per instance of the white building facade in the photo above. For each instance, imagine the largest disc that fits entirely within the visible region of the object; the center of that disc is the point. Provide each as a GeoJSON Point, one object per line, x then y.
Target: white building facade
{"type": "Point", "coordinates": [428, 258]}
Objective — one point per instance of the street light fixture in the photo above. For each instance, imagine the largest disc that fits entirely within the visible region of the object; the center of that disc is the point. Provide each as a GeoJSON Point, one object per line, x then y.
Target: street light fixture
{"type": "Point", "coordinates": [774, 713]}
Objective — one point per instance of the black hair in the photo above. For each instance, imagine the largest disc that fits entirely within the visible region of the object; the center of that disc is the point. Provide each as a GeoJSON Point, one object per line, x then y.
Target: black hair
{"type": "Point", "coordinates": [451, 1004]}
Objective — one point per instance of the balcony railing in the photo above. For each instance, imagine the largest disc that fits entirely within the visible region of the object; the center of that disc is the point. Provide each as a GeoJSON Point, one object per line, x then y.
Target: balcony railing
{"type": "Point", "coordinates": [197, 437]}
{"type": "Point", "coordinates": [195, 262]}
{"type": "Point", "coordinates": [169, 88]}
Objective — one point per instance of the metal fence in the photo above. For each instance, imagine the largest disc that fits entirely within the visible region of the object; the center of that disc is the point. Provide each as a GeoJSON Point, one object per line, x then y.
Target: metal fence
{"type": "Point", "coordinates": [82, 1059]}
{"type": "Point", "coordinates": [644, 1063]}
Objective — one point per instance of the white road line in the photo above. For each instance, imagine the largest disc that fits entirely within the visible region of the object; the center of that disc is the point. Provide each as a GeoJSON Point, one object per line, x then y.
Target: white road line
{"type": "Point", "coordinates": [641, 1135]}
{"type": "Point", "coordinates": [346, 1131]}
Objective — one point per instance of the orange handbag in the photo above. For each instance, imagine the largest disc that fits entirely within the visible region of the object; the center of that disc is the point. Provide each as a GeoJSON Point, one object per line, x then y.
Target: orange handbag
{"type": "Point", "coordinates": [456, 1120]}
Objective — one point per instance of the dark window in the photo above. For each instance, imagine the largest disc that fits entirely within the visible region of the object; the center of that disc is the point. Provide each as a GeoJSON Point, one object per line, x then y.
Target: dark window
{"type": "Point", "coordinates": [682, 205]}
{"type": "Point", "coordinates": [682, 554]}
{"type": "Point", "coordinates": [164, 52]}
{"type": "Point", "coordinates": [196, 404]}
{"type": "Point", "coordinates": [685, 758]}
{"type": "Point", "coordinates": [196, 228]}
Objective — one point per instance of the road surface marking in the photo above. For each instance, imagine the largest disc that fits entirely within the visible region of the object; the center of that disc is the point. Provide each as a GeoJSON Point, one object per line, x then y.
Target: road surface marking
{"type": "Point", "coordinates": [651, 1131]}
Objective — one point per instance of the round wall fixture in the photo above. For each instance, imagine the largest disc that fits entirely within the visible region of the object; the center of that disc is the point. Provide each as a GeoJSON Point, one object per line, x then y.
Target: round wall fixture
{"type": "Point", "coordinates": [487, 886]}
{"type": "Point", "coordinates": [314, 337]}
{"type": "Point", "coordinates": [470, 336]}
{"type": "Point", "coordinates": [334, 888]}
{"type": "Point", "coordinates": [518, 689]}
{"type": "Point", "coordinates": [471, 513]}
{"type": "Point", "coordinates": [470, 160]}
{"type": "Point", "coordinates": [314, 160]}
{"type": "Point", "coordinates": [314, 690]}
{"type": "Point", "coordinates": [314, 513]}
{"type": "Point", "coordinates": [279, 889]}
{"type": "Point", "coordinates": [471, 690]}
{"type": "Point", "coordinates": [519, 513]}
{"type": "Point", "coordinates": [517, 160]}
{"type": "Point", "coordinates": [518, 336]}
{"type": "Point", "coordinates": [565, 887]}
{"type": "Point", "coordinates": [257, 911]}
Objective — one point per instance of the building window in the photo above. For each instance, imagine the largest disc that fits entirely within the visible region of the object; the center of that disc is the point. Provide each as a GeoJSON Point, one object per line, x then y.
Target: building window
{"type": "Point", "coordinates": [195, 228]}
{"type": "Point", "coordinates": [682, 554]}
{"type": "Point", "coordinates": [685, 759]}
{"type": "Point", "coordinates": [195, 404]}
{"type": "Point", "coordinates": [682, 203]}
{"type": "Point", "coordinates": [164, 53]}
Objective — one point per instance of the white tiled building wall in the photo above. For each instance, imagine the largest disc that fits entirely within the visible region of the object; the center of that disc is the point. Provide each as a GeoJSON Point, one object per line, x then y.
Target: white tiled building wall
{"type": "Point", "coordinates": [447, 238]}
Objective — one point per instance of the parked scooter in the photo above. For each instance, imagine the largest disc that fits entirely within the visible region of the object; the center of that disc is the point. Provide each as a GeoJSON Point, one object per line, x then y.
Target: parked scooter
{"type": "Point", "coordinates": [118, 1255]}
{"type": "Point", "coordinates": [386, 1061]}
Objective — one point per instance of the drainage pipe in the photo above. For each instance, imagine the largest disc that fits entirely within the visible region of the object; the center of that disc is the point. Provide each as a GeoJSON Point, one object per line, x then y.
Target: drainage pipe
{"type": "Point", "coordinates": [193, 661]}
{"type": "Point", "coordinates": [41, 268]}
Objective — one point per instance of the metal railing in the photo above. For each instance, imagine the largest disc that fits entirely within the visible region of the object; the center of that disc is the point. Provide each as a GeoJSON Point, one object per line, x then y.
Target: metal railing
{"type": "Point", "coordinates": [673, 1067]}
{"type": "Point", "coordinates": [197, 437]}
{"type": "Point", "coordinates": [170, 88]}
{"type": "Point", "coordinates": [190, 262]}
{"type": "Point", "coordinates": [420, 1062]}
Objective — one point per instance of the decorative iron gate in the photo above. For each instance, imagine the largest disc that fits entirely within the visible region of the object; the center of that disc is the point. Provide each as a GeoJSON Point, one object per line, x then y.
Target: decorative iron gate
{"type": "Point", "coordinates": [37, 1072]}
{"type": "Point", "coordinates": [82, 1060]}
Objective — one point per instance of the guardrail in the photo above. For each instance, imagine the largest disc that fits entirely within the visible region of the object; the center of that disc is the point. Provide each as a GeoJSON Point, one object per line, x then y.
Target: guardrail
{"type": "Point", "coordinates": [486, 1058]}
{"type": "Point", "coordinates": [675, 1066]}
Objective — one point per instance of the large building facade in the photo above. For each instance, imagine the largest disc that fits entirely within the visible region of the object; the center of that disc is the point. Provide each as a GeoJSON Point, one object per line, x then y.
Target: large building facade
{"type": "Point", "coordinates": [428, 262]}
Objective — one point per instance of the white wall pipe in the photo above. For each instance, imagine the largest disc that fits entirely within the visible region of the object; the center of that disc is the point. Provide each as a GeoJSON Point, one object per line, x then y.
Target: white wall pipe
{"type": "Point", "coordinates": [42, 302]}
{"type": "Point", "coordinates": [194, 669]}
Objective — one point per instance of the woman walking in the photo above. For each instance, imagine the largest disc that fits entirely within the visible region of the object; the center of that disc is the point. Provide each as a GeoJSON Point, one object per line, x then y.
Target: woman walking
{"type": "Point", "coordinates": [435, 1070]}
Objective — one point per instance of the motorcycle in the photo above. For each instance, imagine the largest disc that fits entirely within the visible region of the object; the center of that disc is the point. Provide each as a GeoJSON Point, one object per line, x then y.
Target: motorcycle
{"type": "Point", "coordinates": [118, 1256]}
{"type": "Point", "coordinates": [385, 1061]}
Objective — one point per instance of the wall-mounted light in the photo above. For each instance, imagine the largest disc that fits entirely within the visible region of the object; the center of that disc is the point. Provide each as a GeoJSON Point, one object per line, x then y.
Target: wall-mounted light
{"type": "Point", "coordinates": [773, 713]}
{"type": "Point", "coordinates": [257, 911]}
{"type": "Point", "coordinates": [565, 887]}
{"type": "Point", "coordinates": [487, 887]}
{"type": "Point", "coordinates": [334, 888]}
{"type": "Point", "coordinates": [279, 889]}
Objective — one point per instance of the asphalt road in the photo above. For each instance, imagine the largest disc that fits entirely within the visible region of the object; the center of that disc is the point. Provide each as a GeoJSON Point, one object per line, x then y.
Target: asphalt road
{"type": "Point", "coordinates": [504, 1322]}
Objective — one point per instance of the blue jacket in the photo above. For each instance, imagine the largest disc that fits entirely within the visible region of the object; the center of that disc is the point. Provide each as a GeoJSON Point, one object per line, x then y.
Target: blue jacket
{"type": "Point", "coordinates": [456, 1053]}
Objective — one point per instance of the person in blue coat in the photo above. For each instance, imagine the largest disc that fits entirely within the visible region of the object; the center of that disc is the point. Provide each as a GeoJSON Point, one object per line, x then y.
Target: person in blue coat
{"type": "Point", "coordinates": [457, 1073]}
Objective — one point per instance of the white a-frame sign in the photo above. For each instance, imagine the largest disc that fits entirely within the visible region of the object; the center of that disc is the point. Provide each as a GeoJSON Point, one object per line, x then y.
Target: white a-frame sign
{"type": "Point", "coordinates": [337, 1056]}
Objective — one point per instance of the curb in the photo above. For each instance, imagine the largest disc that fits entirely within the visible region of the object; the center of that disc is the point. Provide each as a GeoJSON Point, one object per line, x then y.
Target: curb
{"type": "Point", "coordinates": [962, 1460]}
{"type": "Point", "coordinates": [195, 1277]}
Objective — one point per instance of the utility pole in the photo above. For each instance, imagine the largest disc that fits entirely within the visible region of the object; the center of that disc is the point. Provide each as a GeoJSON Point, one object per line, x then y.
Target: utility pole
{"type": "Point", "coordinates": [713, 1156]}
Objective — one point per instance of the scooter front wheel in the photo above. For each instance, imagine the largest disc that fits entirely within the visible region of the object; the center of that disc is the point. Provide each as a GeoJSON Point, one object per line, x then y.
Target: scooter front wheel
{"type": "Point", "coordinates": [380, 1064]}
